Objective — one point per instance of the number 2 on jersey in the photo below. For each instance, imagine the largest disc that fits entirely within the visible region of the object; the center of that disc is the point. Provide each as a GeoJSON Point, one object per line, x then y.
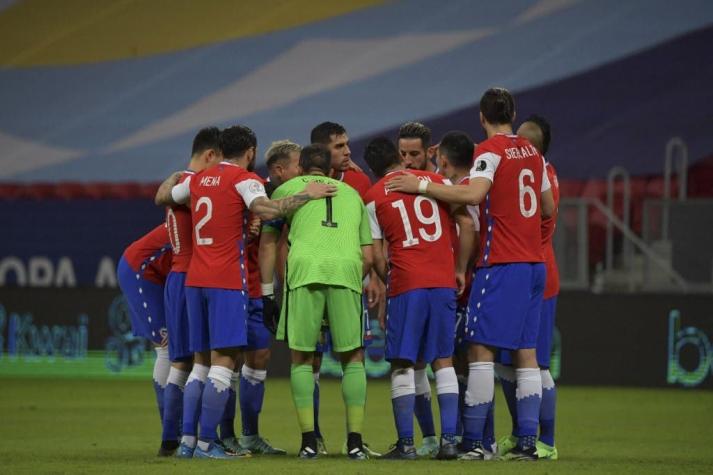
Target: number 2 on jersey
{"type": "Point", "coordinates": [204, 241]}
{"type": "Point", "coordinates": [433, 219]}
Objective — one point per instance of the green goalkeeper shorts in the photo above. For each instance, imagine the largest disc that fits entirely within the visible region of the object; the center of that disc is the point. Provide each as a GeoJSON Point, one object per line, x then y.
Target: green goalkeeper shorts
{"type": "Point", "coordinates": [304, 308]}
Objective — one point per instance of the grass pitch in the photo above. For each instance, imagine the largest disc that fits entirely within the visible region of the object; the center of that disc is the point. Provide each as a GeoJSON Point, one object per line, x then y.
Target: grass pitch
{"type": "Point", "coordinates": [112, 426]}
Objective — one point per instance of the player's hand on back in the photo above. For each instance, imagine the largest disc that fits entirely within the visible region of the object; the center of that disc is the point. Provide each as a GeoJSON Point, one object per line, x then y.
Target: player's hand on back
{"type": "Point", "coordinates": [354, 167]}
{"type": "Point", "coordinates": [317, 190]}
{"type": "Point", "coordinates": [254, 227]}
{"type": "Point", "coordinates": [404, 182]}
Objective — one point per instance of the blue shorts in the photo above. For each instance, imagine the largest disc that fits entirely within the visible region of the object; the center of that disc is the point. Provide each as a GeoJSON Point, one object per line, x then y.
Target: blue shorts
{"type": "Point", "coordinates": [324, 344]}
{"type": "Point", "coordinates": [420, 325]}
{"type": "Point", "coordinates": [259, 337]}
{"type": "Point", "coordinates": [504, 306]}
{"type": "Point", "coordinates": [145, 302]}
{"type": "Point", "coordinates": [174, 298]}
{"type": "Point", "coordinates": [544, 336]}
{"type": "Point", "coordinates": [218, 318]}
{"type": "Point", "coordinates": [461, 344]}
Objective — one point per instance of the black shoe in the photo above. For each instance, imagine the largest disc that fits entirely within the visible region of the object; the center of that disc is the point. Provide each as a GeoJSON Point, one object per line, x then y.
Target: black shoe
{"type": "Point", "coordinates": [448, 450]}
{"type": "Point", "coordinates": [528, 454]}
{"type": "Point", "coordinates": [309, 446]}
{"type": "Point", "coordinates": [400, 452]}
{"type": "Point", "coordinates": [355, 447]}
{"type": "Point", "coordinates": [168, 448]}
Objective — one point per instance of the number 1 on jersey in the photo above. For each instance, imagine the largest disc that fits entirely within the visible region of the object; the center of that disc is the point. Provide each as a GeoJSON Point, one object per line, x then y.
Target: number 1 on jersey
{"type": "Point", "coordinates": [328, 221]}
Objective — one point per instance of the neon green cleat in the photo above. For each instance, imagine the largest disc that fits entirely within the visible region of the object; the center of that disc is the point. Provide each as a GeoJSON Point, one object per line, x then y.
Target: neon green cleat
{"type": "Point", "coordinates": [506, 444]}
{"type": "Point", "coordinates": [546, 452]}
{"type": "Point", "coordinates": [259, 445]}
{"type": "Point", "coordinates": [429, 447]}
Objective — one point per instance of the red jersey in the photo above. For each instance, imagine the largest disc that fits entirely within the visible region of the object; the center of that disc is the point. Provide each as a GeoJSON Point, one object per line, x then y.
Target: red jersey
{"type": "Point", "coordinates": [220, 197]}
{"type": "Point", "coordinates": [552, 282]}
{"type": "Point", "coordinates": [180, 231]}
{"type": "Point", "coordinates": [254, 288]}
{"type": "Point", "coordinates": [510, 214]}
{"type": "Point", "coordinates": [357, 180]}
{"type": "Point", "coordinates": [151, 254]}
{"type": "Point", "coordinates": [418, 231]}
{"type": "Point", "coordinates": [475, 214]}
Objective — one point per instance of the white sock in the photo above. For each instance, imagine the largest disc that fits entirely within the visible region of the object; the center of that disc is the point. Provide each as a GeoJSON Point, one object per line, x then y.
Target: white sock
{"type": "Point", "coordinates": [178, 377]}
{"type": "Point", "coordinates": [423, 385]}
{"type": "Point", "coordinates": [506, 373]}
{"type": "Point", "coordinates": [529, 383]}
{"type": "Point", "coordinates": [161, 366]}
{"type": "Point", "coordinates": [446, 381]}
{"type": "Point", "coordinates": [548, 381]}
{"type": "Point", "coordinates": [199, 372]}
{"type": "Point", "coordinates": [189, 441]}
{"type": "Point", "coordinates": [220, 376]}
{"type": "Point", "coordinates": [254, 376]}
{"type": "Point", "coordinates": [316, 377]}
{"type": "Point", "coordinates": [402, 383]}
{"type": "Point", "coordinates": [481, 384]}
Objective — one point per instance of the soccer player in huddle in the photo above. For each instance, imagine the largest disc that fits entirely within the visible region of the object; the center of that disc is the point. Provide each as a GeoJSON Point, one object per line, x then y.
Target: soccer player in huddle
{"type": "Point", "coordinates": [216, 284]}
{"type": "Point", "coordinates": [324, 281]}
{"type": "Point", "coordinates": [537, 130]}
{"type": "Point", "coordinates": [421, 306]}
{"type": "Point", "coordinates": [414, 142]}
{"type": "Point", "coordinates": [335, 138]}
{"type": "Point", "coordinates": [204, 153]}
{"type": "Point", "coordinates": [510, 183]}
{"type": "Point", "coordinates": [141, 273]}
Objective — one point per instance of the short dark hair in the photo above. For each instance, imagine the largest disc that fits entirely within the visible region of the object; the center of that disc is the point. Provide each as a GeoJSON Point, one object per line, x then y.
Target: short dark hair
{"type": "Point", "coordinates": [544, 128]}
{"type": "Point", "coordinates": [458, 147]}
{"type": "Point", "coordinates": [381, 154]}
{"type": "Point", "coordinates": [236, 140]}
{"type": "Point", "coordinates": [498, 106]}
{"type": "Point", "coordinates": [416, 130]}
{"type": "Point", "coordinates": [316, 156]}
{"type": "Point", "coordinates": [207, 138]}
{"type": "Point", "coordinates": [323, 132]}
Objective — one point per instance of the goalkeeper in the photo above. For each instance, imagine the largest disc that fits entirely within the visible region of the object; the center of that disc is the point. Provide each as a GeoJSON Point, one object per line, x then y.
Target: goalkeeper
{"type": "Point", "coordinates": [330, 252]}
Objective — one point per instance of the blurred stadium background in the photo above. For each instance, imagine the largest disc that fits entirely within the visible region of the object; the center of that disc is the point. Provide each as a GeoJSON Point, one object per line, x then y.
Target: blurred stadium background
{"type": "Point", "coordinates": [99, 101]}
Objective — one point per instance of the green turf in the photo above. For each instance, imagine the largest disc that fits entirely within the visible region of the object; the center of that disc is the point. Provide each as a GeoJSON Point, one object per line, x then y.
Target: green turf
{"type": "Point", "coordinates": [84, 425]}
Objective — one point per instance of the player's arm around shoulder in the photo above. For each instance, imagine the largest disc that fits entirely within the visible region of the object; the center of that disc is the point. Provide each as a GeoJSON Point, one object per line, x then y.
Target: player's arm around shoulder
{"type": "Point", "coordinates": [164, 194]}
{"type": "Point", "coordinates": [453, 194]}
{"type": "Point", "coordinates": [268, 208]}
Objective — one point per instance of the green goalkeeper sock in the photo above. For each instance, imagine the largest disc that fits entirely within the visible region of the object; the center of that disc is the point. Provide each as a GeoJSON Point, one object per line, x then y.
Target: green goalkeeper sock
{"type": "Point", "coordinates": [354, 395]}
{"type": "Point", "coordinates": [302, 383]}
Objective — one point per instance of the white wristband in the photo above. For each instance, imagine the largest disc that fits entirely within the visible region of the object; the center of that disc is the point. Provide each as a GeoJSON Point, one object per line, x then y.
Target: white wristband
{"type": "Point", "coordinates": [267, 289]}
{"type": "Point", "coordinates": [423, 186]}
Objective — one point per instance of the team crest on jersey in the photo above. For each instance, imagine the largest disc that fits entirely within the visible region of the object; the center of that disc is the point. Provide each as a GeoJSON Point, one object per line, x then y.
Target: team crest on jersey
{"type": "Point", "coordinates": [481, 165]}
{"type": "Point", "coordinates": [256, 187]}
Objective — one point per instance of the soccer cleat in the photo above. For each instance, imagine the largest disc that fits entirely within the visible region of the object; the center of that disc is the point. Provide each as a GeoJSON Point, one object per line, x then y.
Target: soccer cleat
{"type": "Point", "coordinates": [522, 455]}
{"type": "Point", "coordinates": [369, 451]}
{"type": "Point", "coordinates": [476, 453]}
{"type": "Point", "coordinates": [546, 452]}
{"type": "Point", "coordinates": [214, 451]}
{"type": "Point", "coordinates": [355, 447]}
{"type": "Point", "coordinates": [448, 450]}
{"type": "Point", "coordinates": [400, 452]}
{"type": "Point", "coordinates": [232, 447]}
{"type": "Point", "coordinates": [307, 453]}
{"type": "Point", "coordinates": [321, 448]}
{"type": "Point", "coordinates": [168, 448]}
{"type": "Point", "coordinates": [184, 451]}
{"type": "Point", "coordinates": [259, 445]}
{"type": "Point", "coordinates": [429, 447]}
{"type": "Point", "coordinates": [506, 444]}
{"type": "Point", "coordinates": [358, 453]}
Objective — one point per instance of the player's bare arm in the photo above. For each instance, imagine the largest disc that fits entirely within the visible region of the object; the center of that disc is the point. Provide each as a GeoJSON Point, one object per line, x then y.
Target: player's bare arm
{"type": "Point", "coordinates": [380, 264]}
{"type": "Point", "coordinates": [163, 195]}
{"type": "Point", "coordinates": [266, 208]}
{"type": "Point", "coordinates": [466, 243]}
{"type": "Point", "coordinates": [548, 203]}
{"type": "Point", "coordinates": [267, 256]}
{"type": "Point", "coordinates": [367, 259]}
{"type": "Point", "coordinates": [470, 194]}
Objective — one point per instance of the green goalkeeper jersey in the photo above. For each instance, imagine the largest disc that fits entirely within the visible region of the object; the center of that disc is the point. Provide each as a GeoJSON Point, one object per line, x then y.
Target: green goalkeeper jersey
{"type": "Point", "coordinates": [326, 236]}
